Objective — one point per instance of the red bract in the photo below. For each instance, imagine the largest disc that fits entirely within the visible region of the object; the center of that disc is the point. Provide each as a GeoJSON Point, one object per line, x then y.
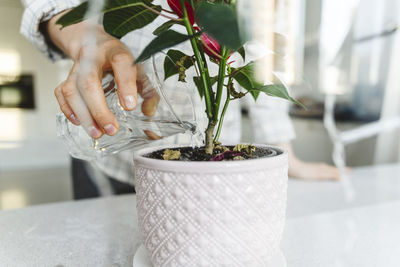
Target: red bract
{"type": "Point", "coordinates": [176, 7]}
{"type": "Point", "coordinates": [212, 47]}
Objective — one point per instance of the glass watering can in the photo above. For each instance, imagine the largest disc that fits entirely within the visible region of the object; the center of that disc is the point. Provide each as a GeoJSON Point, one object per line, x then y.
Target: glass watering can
{"type": "Point", "coordinates": [174, 114]}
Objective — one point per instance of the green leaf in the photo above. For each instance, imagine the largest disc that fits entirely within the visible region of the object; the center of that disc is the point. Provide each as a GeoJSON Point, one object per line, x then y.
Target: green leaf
{"type": "Point", "coordinates": [255, 94]}
{"type": "Point", "coordinates": [124, 20]}
{"type": "Point", "coordinates": [165, 26]}
{"type": "Point", "coordinates": [278, 90]}
{"type": "Point", "coordinates": [199, 84]}
{"type": "Point", "coordinates": [220, 22]}
{"type": "Point", "coordinates": [242, 53]}
{"type": "Point", "coordinates": [245, 77]}
{"type": "Point", "coordinates": [120, 17]}
{"type": "Point", "coordinates": [165, 40]}
{"type": "Point", "coordinates": [74, 16]}
{"type": "Point", "coordinates": [173, 56]}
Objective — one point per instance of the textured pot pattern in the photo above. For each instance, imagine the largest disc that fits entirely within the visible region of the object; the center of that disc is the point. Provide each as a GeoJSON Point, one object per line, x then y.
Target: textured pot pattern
{"type": "Point", "coordinates": [211, 214]}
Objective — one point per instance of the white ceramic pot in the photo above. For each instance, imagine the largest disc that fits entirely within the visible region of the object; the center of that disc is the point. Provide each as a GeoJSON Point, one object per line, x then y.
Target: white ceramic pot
{"type": "Point", "coordinates": [228, 213]}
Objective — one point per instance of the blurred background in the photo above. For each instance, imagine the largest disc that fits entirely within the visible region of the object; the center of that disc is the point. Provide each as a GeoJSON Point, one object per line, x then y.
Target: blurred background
{"type": "Point", "coordinates": [358, 53]}
{"type": "Point", "coordinates": [34, 165]}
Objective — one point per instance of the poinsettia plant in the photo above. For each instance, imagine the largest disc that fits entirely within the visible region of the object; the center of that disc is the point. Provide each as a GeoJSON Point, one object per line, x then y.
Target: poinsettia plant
{"type": "Point", "coordinates": [213, 32]}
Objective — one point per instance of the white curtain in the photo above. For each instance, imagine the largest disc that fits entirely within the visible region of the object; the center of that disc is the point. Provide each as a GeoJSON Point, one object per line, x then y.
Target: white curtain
{"type": "Point", "coordinates": [388, 144]}
{"type": "Point", "coordinates": [337, 18]}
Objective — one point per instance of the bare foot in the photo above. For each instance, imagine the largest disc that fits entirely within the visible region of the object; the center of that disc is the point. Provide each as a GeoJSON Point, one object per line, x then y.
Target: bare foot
{"type": "Point", "coordinates": [312, 170]}
{"type": "Point", "coordinates": [309, 170]}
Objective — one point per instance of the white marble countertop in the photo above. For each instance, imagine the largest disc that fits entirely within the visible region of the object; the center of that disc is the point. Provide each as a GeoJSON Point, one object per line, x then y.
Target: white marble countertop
{"type": "Point", "coordinates": [322, 229]}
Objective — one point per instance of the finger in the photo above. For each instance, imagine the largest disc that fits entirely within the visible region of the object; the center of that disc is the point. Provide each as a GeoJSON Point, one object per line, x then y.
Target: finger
{"type": "Point", "coordinates": [65, 108]}
{"type": "Point", "coordinates": [90, 88]}
{"type": "Point", "coordinates": [74, 100]}
{"type": "Point", "coordinates": [124, 70]}
{"type": "Point", "coordinates": [147, 92]}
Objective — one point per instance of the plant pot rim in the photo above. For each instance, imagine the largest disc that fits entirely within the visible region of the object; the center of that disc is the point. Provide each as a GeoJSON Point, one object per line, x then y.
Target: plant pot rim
{"type": "Point", "coordinates": [210, 166]}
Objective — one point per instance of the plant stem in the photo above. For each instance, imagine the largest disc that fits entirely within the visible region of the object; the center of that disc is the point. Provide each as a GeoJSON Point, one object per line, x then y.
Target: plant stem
{"type": "Point", "coordinates": [205, 78]}
{"type": "Point", "coordinates": [195, 67]}
{"type": "Point", "coordinates": [199, 59]}
{"type": "Point", "coordinates": [168, 11]}
{"type": "Point", "coordinates": [159, 13]}
{"type": "Point", "coordinates": [221, 78]}
{"type": "Point", "coordinates": [209, 137]}
{"type": "Point", "coordinates": [221, 119]}
{"type": "Point", "coordinates": [201, 50]}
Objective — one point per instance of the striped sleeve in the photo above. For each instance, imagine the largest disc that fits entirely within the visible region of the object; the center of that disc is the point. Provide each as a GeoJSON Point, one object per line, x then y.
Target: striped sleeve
{"type": "Point", "coordinates": [38, 11]}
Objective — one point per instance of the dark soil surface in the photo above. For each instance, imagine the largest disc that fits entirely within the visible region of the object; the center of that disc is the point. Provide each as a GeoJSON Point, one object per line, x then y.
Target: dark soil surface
{"type": "Point", "coordinates": [198, 154]}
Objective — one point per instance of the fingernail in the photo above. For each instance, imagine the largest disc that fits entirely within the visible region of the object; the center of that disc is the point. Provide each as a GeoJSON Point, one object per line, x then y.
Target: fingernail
{"type": "Point", "coordinates": [94, 132]}
{"type": "Point", "coordinates": [130, 102]}
{"type": "Point", "coordinates": [110, 129]}
{"type": "Point", "coordinates": [74, 119]}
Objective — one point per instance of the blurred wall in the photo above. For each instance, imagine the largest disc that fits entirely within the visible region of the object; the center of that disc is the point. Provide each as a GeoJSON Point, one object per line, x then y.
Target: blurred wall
{"type": "Point", "coordinates": [312, 143]}
{"type": "Point", "coordinates": [28, 137]}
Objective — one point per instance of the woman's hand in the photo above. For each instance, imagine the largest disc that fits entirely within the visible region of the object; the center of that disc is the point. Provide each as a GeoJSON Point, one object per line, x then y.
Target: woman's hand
{"type": "Point", "coordinates": [80, 96]}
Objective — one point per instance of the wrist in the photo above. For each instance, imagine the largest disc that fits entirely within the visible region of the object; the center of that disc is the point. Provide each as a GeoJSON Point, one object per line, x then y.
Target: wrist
{"type": "Point", "coordinates": [69, 39]}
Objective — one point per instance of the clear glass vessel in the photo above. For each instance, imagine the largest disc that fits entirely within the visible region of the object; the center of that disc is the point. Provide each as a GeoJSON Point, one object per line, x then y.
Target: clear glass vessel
{"type": "Point", "coordinates": [174, 114]}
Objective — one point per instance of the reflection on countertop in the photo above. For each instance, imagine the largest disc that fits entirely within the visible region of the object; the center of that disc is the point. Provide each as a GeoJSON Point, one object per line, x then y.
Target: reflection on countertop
{"type": "Point", "coordinates": [321, 229]}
